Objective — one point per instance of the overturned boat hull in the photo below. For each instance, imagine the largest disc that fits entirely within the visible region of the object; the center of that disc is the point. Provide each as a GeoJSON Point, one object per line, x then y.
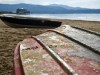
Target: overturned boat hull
{"type": "Point", "coordinates": [19, 21]}
{"type": "Point", "coordinates": [55, 52]}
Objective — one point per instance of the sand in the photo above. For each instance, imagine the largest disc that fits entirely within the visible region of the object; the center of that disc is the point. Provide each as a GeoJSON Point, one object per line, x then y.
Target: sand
{"type": "Point", "coordinates": [9, 37]}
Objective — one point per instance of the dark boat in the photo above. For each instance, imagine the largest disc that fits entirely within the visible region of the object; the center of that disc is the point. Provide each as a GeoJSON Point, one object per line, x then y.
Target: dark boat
{"type": "Point", "coordinates": [20, 21]}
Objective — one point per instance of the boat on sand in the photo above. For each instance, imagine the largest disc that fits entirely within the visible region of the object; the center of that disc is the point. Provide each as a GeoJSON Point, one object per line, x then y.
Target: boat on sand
{"type": "Point", "coordinates": [22, 21]}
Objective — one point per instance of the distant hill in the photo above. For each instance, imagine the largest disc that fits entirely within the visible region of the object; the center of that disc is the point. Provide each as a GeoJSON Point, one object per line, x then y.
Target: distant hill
{"type": "Point", "coordinates": [52, 9]}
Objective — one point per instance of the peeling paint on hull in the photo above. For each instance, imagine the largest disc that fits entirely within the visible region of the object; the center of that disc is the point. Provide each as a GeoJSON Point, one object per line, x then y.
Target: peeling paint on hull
{"type": "Point", "coordinates": [32, 56]}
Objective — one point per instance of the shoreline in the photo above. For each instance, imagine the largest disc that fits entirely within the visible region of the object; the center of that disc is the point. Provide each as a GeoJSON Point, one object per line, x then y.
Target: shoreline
{"type": "Point", "coordinates": [9, 37]}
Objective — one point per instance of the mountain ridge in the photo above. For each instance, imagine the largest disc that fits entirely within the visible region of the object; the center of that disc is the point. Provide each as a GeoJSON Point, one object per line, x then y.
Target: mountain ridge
{"type": "Point", "coordinates": [53, 8]}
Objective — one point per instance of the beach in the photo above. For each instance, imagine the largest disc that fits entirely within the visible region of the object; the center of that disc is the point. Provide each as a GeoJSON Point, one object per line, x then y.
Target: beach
{"type": "Point", "coordinates": [9, 37]}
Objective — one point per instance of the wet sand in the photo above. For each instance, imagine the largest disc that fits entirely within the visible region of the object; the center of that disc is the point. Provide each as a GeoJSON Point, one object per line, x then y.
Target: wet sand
{"type": "Point", "coordinates": [9, 37]}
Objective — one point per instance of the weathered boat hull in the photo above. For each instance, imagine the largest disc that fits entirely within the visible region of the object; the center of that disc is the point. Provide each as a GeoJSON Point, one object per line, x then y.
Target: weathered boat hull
{"type": "Point", "coordinates": [28, 22]}
{"type": "Point", "coordinates": [53, 53]}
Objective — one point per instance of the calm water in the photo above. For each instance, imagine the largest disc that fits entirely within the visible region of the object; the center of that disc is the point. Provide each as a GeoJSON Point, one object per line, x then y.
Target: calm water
{"type": "Point", "coordinates": [89, 17]}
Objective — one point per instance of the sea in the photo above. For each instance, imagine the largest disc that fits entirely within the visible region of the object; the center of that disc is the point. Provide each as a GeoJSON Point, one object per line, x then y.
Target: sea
{"type": "Point", "coordinates": [86, 17]}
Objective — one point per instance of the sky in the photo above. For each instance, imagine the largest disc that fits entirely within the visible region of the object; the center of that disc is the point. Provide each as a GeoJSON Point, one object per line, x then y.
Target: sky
{"type": "Point", "coordinates": [75, 3]}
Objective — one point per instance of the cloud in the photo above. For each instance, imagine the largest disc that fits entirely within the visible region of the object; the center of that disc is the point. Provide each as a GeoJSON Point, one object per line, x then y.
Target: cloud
{"type": "Point", "coordinates": [75, 3]}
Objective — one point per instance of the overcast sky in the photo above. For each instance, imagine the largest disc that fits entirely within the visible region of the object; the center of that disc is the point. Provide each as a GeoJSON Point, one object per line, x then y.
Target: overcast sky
{"type": "Point", "coordinates": [74, 3]}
